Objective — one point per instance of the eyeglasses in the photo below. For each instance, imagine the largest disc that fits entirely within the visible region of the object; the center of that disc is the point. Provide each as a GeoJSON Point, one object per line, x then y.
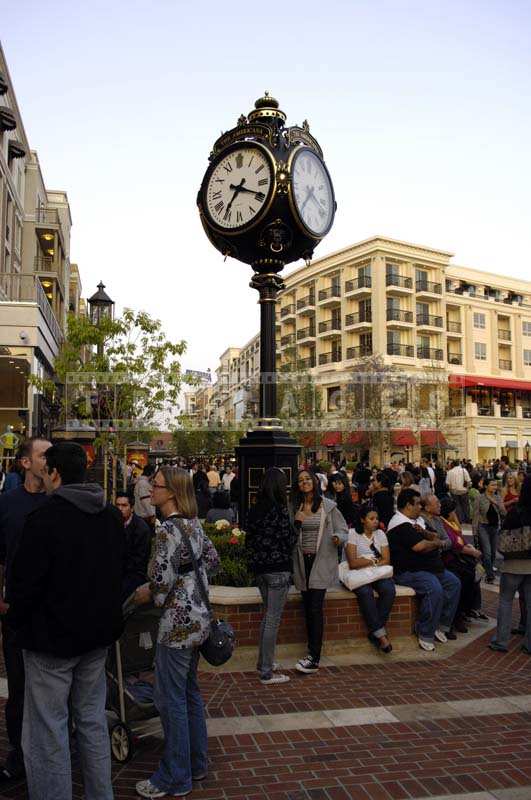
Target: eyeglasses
{"type": "Point", "coordinates": [158, 486]}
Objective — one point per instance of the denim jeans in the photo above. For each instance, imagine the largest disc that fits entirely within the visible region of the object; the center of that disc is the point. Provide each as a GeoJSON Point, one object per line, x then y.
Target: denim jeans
{"type": "Point", "coordinates": [488, 538]}
{"type": "Point", "coordinates": [510, 583]}
{"type": "Point", "coordinates": [182, 715]}
{"type": "Point", "coordinates": [376, 611]}
{"type": "Point", "coordinates": [439, 597]}
{"type": "Point", "coordinates": [14, 708]}
{"type": "Point", "coordinates": [274, 588]}
{"type": "Point", "coordinates": [50, 682]}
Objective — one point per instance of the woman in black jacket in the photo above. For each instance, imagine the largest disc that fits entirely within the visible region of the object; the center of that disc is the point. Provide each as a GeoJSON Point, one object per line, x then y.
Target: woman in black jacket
{"type": "Point", "coordinates": [270, 539]}
{"type": "Point", "coordinates": [339, 491]}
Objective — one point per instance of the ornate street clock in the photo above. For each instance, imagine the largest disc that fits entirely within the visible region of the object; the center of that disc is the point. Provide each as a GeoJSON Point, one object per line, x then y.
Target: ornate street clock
{"type": "Point", "coordinates": [266, 199]}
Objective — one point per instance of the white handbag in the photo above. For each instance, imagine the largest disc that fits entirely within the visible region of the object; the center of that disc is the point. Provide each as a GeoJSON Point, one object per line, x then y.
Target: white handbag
{"type": "Point", "coordinates": [354, 578]}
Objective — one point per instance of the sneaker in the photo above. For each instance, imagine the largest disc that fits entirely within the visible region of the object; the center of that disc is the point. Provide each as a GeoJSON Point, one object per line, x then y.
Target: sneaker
{"type": "Point", "coordinates": [498, 648]}
{"type": "Point", "coordinates": [148, 789]}
{"type": "Point", "coordinates": [460, 626]}
{"type": "Point", "coordinates": [450, 635]}
{"type": "Point", "coordinates": [424, 645]}
{"type": "Point", "coordinates": [307, 665]}
{"type": "Point", "coordinates": [441, 636]}
{"type": "Point", "coordinates": [278, 677]}
{"type": "Point", "coordinates": [199, 777]}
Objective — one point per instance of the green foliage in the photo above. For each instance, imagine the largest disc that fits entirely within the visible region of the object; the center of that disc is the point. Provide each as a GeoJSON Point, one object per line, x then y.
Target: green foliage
{"type": "Point", "coordinates": [350, 465]}
{"type": "Point", "coordinates": [231, 549]}
{"type": "Point", "coordinates": [210, 441]}
{"type": "Point", "coordinates": [325, 466]}
{"type": "Point", "coordinates": [143, 365]}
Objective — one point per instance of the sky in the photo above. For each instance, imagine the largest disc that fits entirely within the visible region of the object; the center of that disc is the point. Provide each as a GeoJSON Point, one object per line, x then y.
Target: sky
{"type": "Point", "coordinates": [423, 111]}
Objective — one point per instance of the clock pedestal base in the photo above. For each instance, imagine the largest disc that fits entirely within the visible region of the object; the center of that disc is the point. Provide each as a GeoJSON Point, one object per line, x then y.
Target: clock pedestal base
{"type": "Point", "coordinates": [266, 446]}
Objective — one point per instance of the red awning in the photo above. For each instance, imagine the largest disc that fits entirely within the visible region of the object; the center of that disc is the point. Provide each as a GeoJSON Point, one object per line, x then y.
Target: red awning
{"type": "Point", "coordinates": [358, 438]}
{"type": "Point", "coordinates": [331, 438]}
{"type": "Point", "coordinates": [457, 381]}
{"type": "Point", "coordinates": [403, 438]}
{"type": "Point", "coordinates": [433, 439]}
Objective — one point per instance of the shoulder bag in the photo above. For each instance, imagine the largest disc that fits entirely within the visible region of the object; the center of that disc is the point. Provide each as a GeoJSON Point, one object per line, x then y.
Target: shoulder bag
{"type": "Point", "coordinates": [515, 543]}
{"type": "Point", "coordinates": [219, 646]}
{"type": "Point", "coordinates": [354, 578]}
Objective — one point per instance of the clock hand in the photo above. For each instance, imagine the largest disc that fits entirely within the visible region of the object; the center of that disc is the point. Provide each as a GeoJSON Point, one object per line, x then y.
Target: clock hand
{"type": "Point", "coordinates": [310, 194]}
{"type": "Point", "coordinates": [243, 188]}
{"type": "Point", "coordinates": [237, 190]}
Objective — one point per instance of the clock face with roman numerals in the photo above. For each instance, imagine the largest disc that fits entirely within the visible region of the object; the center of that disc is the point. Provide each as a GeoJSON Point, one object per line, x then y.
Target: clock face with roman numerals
{"type": "Point", "coordinates": [312, 192]}
{"type": "Point", "coordinates": [239, 187]}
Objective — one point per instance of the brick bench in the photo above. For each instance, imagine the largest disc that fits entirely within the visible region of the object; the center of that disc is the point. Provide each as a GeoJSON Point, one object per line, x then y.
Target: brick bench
{"type": "Point", "coordinates": [242, 607]}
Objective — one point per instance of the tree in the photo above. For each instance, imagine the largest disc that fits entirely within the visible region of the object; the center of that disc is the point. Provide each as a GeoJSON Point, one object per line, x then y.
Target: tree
{"type": "Point", "coordinates": [299, 403]}
{"type": "Point", "coordinates": [123, 376]}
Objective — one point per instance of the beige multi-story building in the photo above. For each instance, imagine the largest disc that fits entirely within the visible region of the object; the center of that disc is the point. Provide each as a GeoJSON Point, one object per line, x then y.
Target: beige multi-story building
{"type": "Point", "coordinates": [234, 395]}
{"type": "Point", "coordinates": [451, 344]}
{"type": "Point", "coordinates": [38, 285]}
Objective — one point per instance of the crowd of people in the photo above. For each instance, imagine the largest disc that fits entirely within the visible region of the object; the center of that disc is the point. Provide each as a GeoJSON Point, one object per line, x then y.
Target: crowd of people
{"type": "Point", "coordinates": [69, 560]}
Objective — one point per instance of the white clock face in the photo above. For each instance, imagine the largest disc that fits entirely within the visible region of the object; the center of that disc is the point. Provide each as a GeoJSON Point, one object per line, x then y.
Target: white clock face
{"type": "Point", "coordinates": [312, 192]}
{"type": "Point", "coordinates": [239, 187]}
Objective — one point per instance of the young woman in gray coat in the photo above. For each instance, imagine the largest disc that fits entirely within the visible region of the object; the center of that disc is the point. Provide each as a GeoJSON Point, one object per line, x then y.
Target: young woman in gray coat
{"type": "Point", "coordinates": [322, 528]}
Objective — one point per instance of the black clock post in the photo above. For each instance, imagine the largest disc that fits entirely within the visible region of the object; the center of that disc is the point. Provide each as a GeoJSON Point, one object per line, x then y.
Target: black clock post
{"type": "Point", "coordinates": [266, 199]}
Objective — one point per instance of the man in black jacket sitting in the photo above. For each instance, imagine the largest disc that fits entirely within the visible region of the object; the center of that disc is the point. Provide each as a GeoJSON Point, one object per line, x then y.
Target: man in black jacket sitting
{"type": "Point", "coordinates": [65, 609]}
{"type": "Point", "coordinates": [137, 545]}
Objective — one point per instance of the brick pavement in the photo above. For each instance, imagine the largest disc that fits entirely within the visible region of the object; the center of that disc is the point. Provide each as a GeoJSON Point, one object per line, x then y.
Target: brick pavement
{"type": "Point", "coordinates": [443, 756]}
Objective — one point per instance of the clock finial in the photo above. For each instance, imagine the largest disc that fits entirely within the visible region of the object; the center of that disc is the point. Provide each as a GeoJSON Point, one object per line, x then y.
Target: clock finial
{"type": "Point", "coordinates": [267, 106]}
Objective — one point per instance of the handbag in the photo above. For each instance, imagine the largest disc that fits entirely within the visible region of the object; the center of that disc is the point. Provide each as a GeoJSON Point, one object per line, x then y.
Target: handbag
{"type": "Point", "coordinates": [219, 646]}
{"type": "Point", "coordinates": [354, 578]}
{"type": "Point", "coordinates": [515, 543]}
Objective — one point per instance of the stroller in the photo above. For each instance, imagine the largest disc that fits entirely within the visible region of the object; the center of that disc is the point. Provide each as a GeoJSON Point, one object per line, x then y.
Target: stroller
{"type": "Point", "coordinates": [132, 655]}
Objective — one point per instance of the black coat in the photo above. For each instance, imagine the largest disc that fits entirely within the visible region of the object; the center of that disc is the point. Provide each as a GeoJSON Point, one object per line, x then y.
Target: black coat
{"type": "Point", "coordinates": [137, 553]}
{"type": "Point", "coordinates": [66, 579]}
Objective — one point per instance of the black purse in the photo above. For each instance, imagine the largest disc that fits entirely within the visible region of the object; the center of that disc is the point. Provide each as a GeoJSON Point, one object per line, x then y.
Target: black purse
{"type": "Point", "coordinates": [219, 646]}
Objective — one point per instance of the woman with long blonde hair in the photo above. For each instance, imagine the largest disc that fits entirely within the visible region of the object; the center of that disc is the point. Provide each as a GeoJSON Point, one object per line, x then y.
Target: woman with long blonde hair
{"type": "Point", "coordinates": [184, 626]}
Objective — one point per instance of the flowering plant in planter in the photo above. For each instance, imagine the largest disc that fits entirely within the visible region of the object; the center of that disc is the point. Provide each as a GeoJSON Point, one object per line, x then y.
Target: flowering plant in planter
{"type": "Point", "coordinates": [229, 541]}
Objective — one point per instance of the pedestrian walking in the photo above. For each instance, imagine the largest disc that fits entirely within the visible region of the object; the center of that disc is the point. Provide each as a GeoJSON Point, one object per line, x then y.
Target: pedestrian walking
{"type": "Point", "coordinates": [66, 610]}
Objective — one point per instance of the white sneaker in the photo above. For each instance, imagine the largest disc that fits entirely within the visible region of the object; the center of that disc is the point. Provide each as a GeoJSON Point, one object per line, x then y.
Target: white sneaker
{"type": "Point", "coordinates": [307, 665]}
{"type": "Point", "coordinates": [440, 636]}
{"type": "Point", "coordinates": [148, 789]}
{"type": "Point", "coordinates": [429, 646]}
{"type": "Point", "coordinates": [276, 678]}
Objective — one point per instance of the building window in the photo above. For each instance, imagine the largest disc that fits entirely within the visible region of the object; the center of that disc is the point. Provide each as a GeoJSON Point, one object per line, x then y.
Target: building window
{"type": "Point", "coordinates": [424, 395]}
{"type": "Point", "coordinates": [526, 328]}
{"type": "Point", "coordinates": [480, 351]}
{"type": "Point", "coordinates": [333, 398]}
{"type": "Point", "coordinates": [527, 358]}
{"type": "Point", "coordinates": [398, 395]}
{"type": "Point", "coordinates": [479, 321]}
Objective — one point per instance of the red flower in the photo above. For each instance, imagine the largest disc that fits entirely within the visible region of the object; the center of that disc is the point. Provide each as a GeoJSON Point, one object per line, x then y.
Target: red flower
{"type": "Point", "coordinates": [233, 540]}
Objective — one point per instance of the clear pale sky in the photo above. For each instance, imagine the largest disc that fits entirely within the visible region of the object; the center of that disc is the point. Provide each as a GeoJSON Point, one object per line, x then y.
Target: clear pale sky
{"type": "Point", "coordinates": [423, 110]}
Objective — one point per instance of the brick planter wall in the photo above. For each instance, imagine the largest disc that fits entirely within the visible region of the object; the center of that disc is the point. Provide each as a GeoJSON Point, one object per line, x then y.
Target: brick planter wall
{"type": "Point", "coordinates": [343, 620]}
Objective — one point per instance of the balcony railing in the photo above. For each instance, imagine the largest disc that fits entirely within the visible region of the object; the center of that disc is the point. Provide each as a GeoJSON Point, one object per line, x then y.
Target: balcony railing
{"type": "Point", "coordinates": [361, 351]}
{"type": "Point", "coordinates": [431, 353]}
{"type": "Point", "coordinates": [392, 279]}
{"type": "Point", "coordinates": [486, 411]}
{"type": "Point", "coordinates": [43, 264]}
{"type": "Point", "coordinates": [288, 339]}
{"type": "Point", "coordinates": [330, 358]}
{"type": "Point", "coordinates": [452, 411]}
{"type": "Point", "coordinates": [429, 319]}
{"type": "Point", "coordinates": [453, 327]}
{"type": "Point", "coordinates": [505, 334]}
{"type": "Point", "coordinates": [455, 358]}
{"type": "Point", "coordinates": [305, 333]}
{"type": "Point", "coordinates": [526, 413]}
{"type": "Point", "coordinates": [396, 349]}
{"type": "Point", "coordinates": [306, 363]}
{"type": "Point", "coordinates": [363, 282]}
{"type": "Point", "coordinates": [507, 411]}
{"type": "Point", "coordinates": [398, 315]}
{"type": "Point", "coordinates": [21, 288]}
{"type": "Point", "coordinates": [305, 302]}
{"type": "Point", "coordinates": [355, 319]}
{"type": "Point", "coordinates": [327, 294]}
{"type": "Point", "coordinates": [330, 325]}
{"type": "Point", "coordinates": [47, 216]}
{"type": "Point", "coordinates": [428, 286]}
{"type": "Point", "coordinates": [284, 312]}
{"type": "Point", "coordinates": [504, 363]}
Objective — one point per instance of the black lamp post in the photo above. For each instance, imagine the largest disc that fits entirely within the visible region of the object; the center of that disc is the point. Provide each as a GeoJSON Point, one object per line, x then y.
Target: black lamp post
{"type": "Point", "coordinates": [101, 307]}
{"type": "Point", "coordinates": [527, 448]}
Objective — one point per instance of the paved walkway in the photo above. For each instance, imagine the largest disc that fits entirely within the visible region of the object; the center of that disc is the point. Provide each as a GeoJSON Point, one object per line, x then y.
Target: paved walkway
{"type": "Point", "coordinates": [455, 726]}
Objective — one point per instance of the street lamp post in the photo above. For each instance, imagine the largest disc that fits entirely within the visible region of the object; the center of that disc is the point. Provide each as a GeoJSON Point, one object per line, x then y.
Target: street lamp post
{"type": "Point", "coordinates": [101, 308]}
